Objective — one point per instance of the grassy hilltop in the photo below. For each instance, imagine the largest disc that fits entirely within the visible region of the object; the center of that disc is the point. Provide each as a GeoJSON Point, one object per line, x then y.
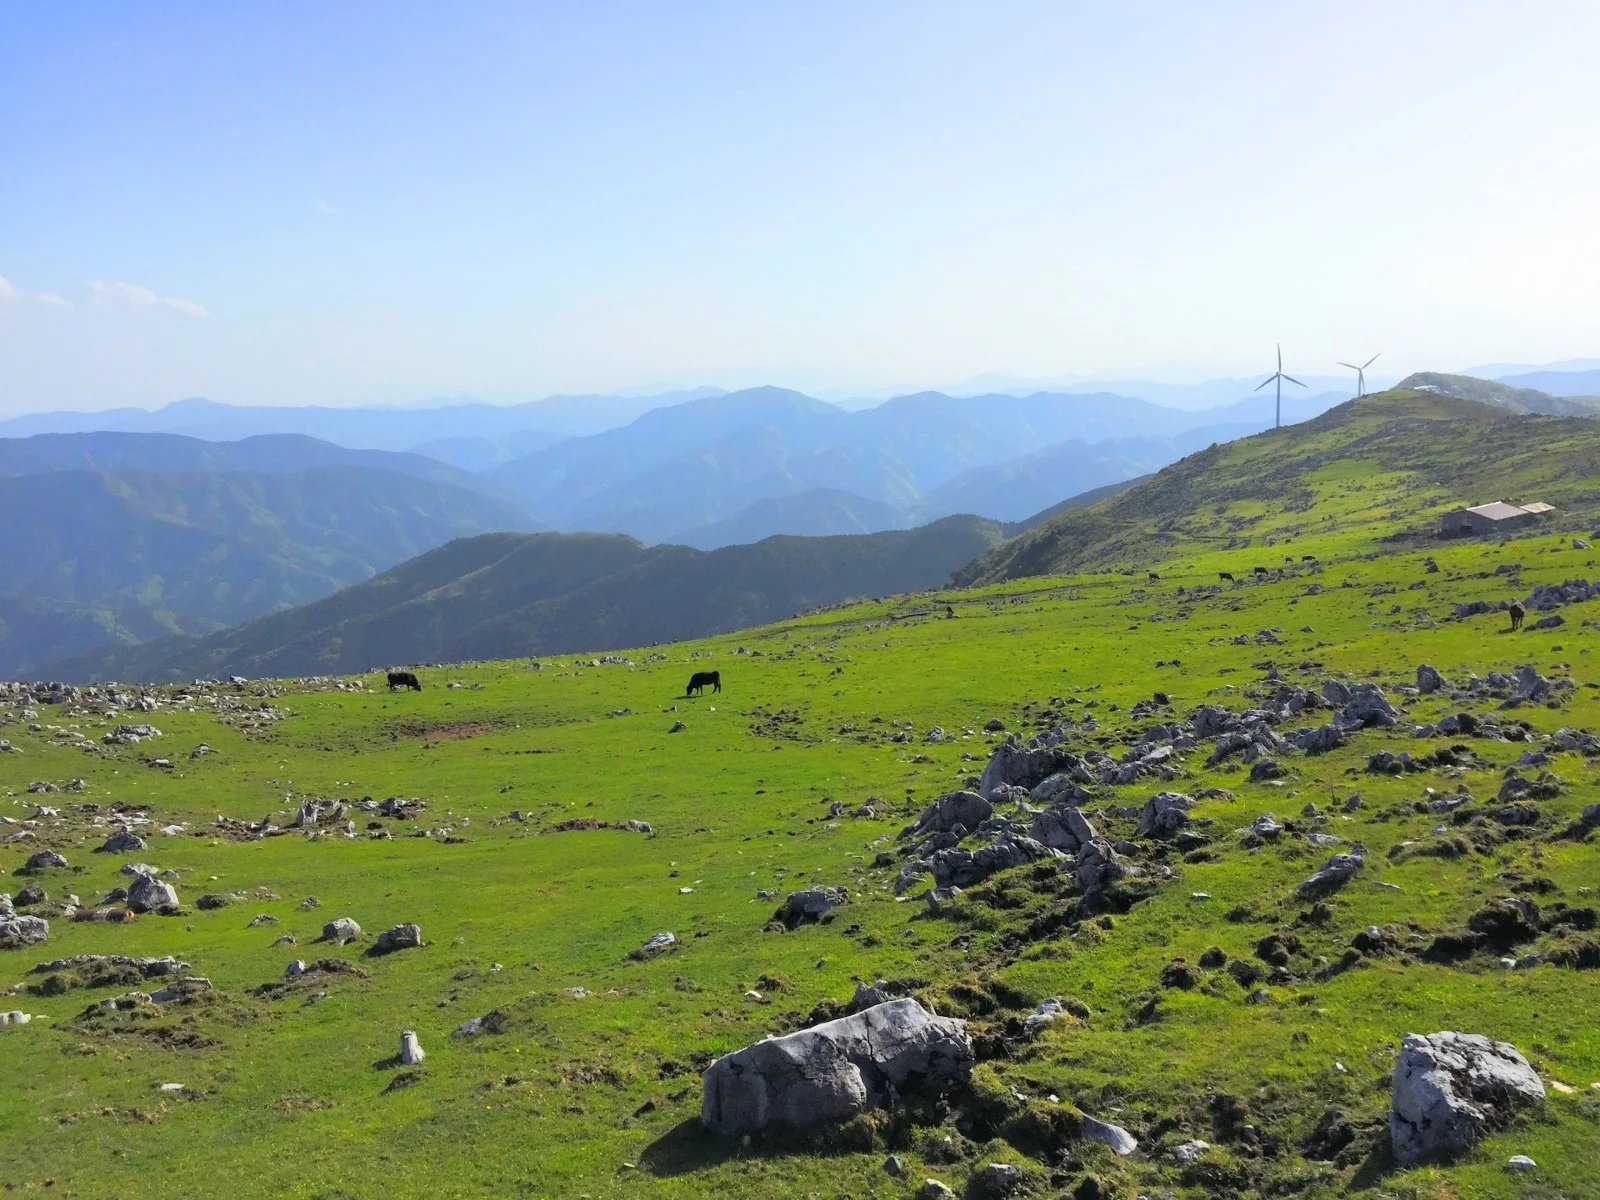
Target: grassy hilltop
{"type": "Point", "coordinates": [290, 1088]}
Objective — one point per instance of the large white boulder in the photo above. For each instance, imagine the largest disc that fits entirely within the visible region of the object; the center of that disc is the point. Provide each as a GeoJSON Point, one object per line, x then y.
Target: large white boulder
{"type": "Point", "coordinates": [1449, 1089]}
{"type": "Point", "coordinates": [836, 1070]}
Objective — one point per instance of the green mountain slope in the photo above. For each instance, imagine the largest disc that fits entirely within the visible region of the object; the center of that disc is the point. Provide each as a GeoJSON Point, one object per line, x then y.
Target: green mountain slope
{"type": "Point", "coordinates": [1241, 1024]}
{"type": "Point", "coordinates": [510, 595]}
{"type": "Point", "coordinates": [1501, 395]}
{"type": "Point", "coordinates": [1388, 463]}
{"type": "Point", "coordinates": [109, 558]}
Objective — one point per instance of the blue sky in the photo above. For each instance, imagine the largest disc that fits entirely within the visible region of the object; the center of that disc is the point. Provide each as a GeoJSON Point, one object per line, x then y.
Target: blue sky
{"type": "Point", "coordinates": [343, 203]}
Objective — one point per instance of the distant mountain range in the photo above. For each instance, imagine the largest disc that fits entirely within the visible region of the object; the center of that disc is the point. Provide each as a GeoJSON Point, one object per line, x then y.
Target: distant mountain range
{"type": "Point", "coordinates": [113, 539]}
{"type": "Point", "coordinates": [519, 595]}
{"type": "Point", "coordinates": [710, 469]}
{"type": "Point", "coordinates": [1558, 383]}
{"type": "Point", "coordinates": [366, 428]}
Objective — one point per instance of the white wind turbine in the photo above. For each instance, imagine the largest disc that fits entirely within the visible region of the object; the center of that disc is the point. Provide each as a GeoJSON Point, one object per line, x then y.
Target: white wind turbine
{"type": "Point", "coordinates": [1361, 373]}
{"type": "Point", "coordinates": [1280, 377]}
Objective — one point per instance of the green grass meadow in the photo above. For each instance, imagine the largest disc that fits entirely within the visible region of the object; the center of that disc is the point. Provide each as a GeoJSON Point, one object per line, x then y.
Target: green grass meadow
{"type": "Point", "coordinates": [599, 1096]}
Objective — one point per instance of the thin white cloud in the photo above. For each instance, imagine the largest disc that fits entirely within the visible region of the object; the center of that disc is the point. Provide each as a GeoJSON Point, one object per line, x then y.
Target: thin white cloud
{"type": "Point", "coordinates": [323, 206]}
{"type": "Point", "coordinates": [11, 294]}
{"type": "Point", "coordinates": [132, 295]}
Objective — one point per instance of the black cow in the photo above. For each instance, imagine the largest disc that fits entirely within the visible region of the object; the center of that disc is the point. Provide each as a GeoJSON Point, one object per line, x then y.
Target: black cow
{"type": "Point", "coordinates": [699, 680]}
{"type": "Point", "coordinates": [1260, 570]}
{"type": "Point", "coordinates": [1517, 614]}
{"type": "Point", "coordinates": [400, 679]}
{"type": "Point", "coordinates": [1225, 575]}
{"type": "Point", "coordinates": [1154, 578]}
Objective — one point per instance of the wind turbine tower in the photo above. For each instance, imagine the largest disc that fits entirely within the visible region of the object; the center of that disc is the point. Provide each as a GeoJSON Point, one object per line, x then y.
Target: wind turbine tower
{"type": "Point", "coordinates": [1361, 373]}
{"type": "Point", "coordinates": [1279, 376]}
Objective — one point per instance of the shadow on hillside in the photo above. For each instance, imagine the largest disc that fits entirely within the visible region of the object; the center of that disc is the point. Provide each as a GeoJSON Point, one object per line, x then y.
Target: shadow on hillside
{"type": "Point", "coordinates": [687, 1146]}
{"type": "Point", "coordinates": [1376, 1168]}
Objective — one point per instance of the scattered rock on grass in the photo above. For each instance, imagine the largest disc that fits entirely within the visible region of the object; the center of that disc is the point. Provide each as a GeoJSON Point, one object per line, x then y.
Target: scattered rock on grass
{"type": "Point", "coordinates": [1450, 1089]}
{"type": "Point", "coordinates": [836, 1070]}
{"type": "Point", "coordinates": [400, 937]}
{"type": "Point", "coordinates": [411, 1051]}
{"type": "Point", "coordinates": [148, 894]}
{"type": "Point", "coordinates": [341, 930]}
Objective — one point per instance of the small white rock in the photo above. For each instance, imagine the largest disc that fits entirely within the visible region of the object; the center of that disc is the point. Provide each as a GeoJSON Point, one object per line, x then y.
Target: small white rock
{"type": "Point", "coordinates": [1521, 1162]}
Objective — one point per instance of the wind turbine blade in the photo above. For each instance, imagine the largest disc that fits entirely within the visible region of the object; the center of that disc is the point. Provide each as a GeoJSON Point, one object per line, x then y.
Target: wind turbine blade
{"type": "Point", "coordinates": [1280, 357]}
{"type": "Point", "coordinates": [1372, 360]}
{"type": "Point", "coordinates": [1352, 366]}
{"type": "Point", "coordinates": [1264, 382]}
{"type": "Point", "coordinates": [1292, 379]}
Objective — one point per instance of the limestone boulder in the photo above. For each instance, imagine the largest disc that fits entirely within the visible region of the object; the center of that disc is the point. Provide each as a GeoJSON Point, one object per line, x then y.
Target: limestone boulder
{"type": "Point", "coordinates": [1450, 1089]}
{"type": "Point", "coordinates": [837, 1070]}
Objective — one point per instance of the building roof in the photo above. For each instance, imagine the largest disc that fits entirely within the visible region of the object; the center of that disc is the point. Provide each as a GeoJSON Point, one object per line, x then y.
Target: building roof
{"type": "Point", "coordinates": [1499, 510]}
{"type": "Point", "coordinates": [1538, 506]}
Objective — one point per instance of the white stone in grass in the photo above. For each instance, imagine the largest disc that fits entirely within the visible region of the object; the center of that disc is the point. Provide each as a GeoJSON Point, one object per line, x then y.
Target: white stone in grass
{"type": "Point", "coordinates": [410, 1048]}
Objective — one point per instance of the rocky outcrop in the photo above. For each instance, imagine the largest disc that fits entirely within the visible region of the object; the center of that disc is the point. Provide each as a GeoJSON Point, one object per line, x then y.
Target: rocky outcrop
{"type": "Point", "coordinates": [123, 841]}
{"type": "Point", "coordinates": [149, 894]}
{"type": "Point", "coordinates": [1062, 828]}
{"type": "Point", "coordinates": [18, 930]}
{"type": "Point", "coordinates": [966, 809]}
{"type": "Point", "coordinates": [810, 906]}
{"type": "Point", "coordinates": [1164, 814]}
{"type": "Point", "coordinates": [957, 867]}
{"type": "Point", "coordinates": [1449, 1089]}
{"type": "Point", "coordinates": [836, 1070]}
{"type": "Point", "coordinates": [1027, 766]}
{"type": "Point", "coordinates": [1335, 873]}
{"type": "Point", "coordinates": [400, 937]}
{"type": "Point", "coordinates": [341, 930]}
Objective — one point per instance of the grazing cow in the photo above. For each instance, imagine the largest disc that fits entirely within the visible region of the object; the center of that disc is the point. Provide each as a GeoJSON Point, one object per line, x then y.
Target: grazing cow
{"type": "Point", "coordinates": [1154, 578]}
{"type": "Point", "coordinates": [1308, 558]}
{"type": "Point", "coordinates": [1517, 613]}
{"type": "Point", "coordinates": [1289, 558]}
{"type": "Point", "coordinates": [1227, 576]}
{"type": "Point", "coordinates": [698, 681]}
{"type": "Point", "coordinates": [949, 610]}
{"type": "Point", "coordinates": [406, 679]}
{"type": "Point", "coordinates": [1260, 570]}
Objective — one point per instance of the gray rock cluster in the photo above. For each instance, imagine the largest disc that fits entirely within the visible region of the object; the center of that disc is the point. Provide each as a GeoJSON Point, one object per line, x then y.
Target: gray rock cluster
{"type": "Point", "coordinates": [836, 1070]}
{"type": "Point", "coordinates": [1449, 1089]}
{"type": "Point", "coordinates": [149, 894]}
{"type": "Point", "coordinates": [1332, 876]}
{"type": "Point", "coordinates": [936, 839]}
{"type": "Point", "coordinates": [21, 930]}
{"type": "Point", "coordinates": [399, 937]}
{"type": "Point", "coordinates": [341, 930]}
{"type": "Point", "coordinates": [810, 905]}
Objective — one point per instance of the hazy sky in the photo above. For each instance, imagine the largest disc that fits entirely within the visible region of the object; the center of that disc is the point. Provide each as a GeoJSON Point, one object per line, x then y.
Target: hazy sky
{"type": "Point", "coordinates": [353, 203]}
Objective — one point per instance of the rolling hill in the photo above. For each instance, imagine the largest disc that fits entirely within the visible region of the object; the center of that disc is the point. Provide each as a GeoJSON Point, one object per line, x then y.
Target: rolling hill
{"type": "Point", "coordinates": [1501, 394]}
{"type": "Point", "coordinates": [116, 557]}
{"type": "Point", "coordinates": [817, 512]}
{"type": "Point", "coordinates": [1397, 456]}
{"type": "Point", "coordinates": [518, 595]}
